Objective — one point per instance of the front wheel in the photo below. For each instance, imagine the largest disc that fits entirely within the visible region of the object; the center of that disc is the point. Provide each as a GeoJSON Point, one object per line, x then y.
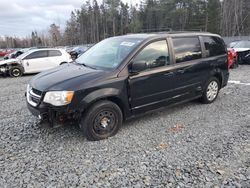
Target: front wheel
{"type": "Point", "coordinates": [15, 72]}
{"type": "Point", "coordinates": [102, 120]}
{"type": "Point", "coordinates": [211, 91]}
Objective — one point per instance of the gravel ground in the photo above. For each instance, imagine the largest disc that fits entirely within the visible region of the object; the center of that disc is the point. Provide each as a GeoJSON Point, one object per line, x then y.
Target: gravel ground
{"type": "Point", "coordinates": [190, 145]}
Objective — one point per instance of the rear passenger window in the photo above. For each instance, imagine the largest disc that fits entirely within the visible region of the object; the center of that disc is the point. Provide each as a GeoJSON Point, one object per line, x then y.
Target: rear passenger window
{"type": "Point", "coordinates": [187, 49]}
{"type": "Point", "coordinates": [214, 46]}
{"type": "Point", "coordinates": [53, 53]}
{"type": "Point", "coordinates": [154, 55]}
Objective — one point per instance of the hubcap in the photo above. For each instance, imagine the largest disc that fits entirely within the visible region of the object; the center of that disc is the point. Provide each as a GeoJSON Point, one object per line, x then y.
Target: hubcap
{"type": "Point", "coordinates": [212, 90]}
{"type": "Point", "coordinates": [16, 72]}
{"type": "Point", "coordinates": [104, 122]}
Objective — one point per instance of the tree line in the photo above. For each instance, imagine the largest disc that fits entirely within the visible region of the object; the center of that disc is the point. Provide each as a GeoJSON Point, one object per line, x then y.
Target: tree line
{"type": "Point", "coordinates": [93, 22]}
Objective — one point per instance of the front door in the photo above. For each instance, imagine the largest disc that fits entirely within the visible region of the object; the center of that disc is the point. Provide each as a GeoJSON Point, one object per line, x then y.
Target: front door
{"type": "Point", "coordinates": [36, 61]}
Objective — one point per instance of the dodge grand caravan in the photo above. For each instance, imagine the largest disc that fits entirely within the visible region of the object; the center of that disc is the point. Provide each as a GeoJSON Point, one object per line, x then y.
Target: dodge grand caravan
{"type": "Point", "coordinates": [124, 76]}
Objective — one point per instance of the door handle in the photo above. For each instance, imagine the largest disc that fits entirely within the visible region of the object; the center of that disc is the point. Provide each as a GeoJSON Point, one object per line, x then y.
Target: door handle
{"type": "Point", "coordinates": [169, 74]}
{"type": "Point", "coordinates": [181, 71]}
{"type": "Point", "coordinates": [27, 63]}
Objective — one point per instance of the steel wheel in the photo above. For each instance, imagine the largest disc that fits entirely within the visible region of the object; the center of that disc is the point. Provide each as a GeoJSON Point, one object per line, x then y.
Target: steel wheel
{"type": "Point", "coordinates": [15, 72]}
{"type": "Point", "coordinates": [104, 122]}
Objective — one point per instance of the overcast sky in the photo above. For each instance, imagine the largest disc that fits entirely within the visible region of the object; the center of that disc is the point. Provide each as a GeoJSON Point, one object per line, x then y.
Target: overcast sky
{"type": "Point", "coordinates": [21, 17]}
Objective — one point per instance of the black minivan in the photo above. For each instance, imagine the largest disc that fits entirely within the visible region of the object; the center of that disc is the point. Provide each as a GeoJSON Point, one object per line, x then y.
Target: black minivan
{"type": "Point", "coordinates": [124, 76]}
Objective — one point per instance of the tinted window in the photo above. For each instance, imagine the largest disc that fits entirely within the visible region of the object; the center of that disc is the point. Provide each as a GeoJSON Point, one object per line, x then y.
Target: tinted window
{"type": "Point", "coordinates": [53, 53]}
{"type": "Point", "coordinates": [38, 54]}
{"type": "Point", "coordinates": [155, 55]}
{"type": "Point", "coordinates": [187, 49]}
{"type": "Point", "coordinates": [214, 46]}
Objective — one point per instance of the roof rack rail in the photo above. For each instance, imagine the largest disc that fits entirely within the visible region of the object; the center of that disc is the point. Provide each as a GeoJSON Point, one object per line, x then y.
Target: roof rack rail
{"type": "Point", "coordinates": [168, 30]}
{"type": "Point", "coordinates": [153, 30]}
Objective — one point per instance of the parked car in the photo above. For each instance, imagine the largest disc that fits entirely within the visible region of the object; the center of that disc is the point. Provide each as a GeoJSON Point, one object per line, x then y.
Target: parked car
{"type": "Point", "coordinates": [232, 44]}
{"type": "Point", "coordinates": [124, 76]}
{"type": "Point", "coordinates": [14, 54]}
{"type": "Point", "coordinates": [34, 61]}
{"type": "Point", "coordinates": [232, 58]}
{"type": "Point", "coordinates": [242, 48]}
{"type": "Point", "coordinates": [5, 52]}
{"type": "Point", "coordinates": [79, 50]}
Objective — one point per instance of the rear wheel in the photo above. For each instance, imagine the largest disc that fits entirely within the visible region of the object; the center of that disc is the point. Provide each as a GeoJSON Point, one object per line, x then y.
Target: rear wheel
{"type": "Point", "coordinates": [102, 120]}
{"type": "Point", "coordinates": [211, 91]}
{"type": "Point", "coordinates": [15, 72]}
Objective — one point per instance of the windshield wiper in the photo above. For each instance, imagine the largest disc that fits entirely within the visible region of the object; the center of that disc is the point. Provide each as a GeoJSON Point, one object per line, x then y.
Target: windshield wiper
{"type": "Point", "coordinates": [85, 65]}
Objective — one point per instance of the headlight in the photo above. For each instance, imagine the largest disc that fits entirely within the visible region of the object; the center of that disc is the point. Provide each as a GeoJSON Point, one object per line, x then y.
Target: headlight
{"type": "Point", "coordinates": [58, 98]}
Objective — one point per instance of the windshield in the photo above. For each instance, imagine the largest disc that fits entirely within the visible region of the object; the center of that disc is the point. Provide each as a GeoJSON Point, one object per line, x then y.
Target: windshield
{"type": "Point", "coordinates": [109, 53]}
{"type": "Point", "coordinates": [242, 44]}
{"type": "Point", "coordinates": [23, 55]}
{"type": "Point", "coordinates": [232, 44]}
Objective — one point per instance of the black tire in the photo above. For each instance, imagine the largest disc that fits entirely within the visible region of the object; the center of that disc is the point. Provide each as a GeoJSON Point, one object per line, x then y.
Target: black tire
{"type": "Point", "coordinates": [211, 91]}
{"type": "Point", "coordinates": [235, 65]}
{"type": "Point", "coordinates": [102, 120]}
{"type": "Point", "coordinates": [15, 72]}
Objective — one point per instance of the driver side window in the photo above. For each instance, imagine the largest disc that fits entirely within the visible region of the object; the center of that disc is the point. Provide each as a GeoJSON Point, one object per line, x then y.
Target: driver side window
{"type": "Point", "coordinates": [154, 55]}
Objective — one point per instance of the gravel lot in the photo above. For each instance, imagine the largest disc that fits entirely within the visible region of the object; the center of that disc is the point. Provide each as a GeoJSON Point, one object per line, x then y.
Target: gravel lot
{"type": "Point", "coordinates": [190, 145]}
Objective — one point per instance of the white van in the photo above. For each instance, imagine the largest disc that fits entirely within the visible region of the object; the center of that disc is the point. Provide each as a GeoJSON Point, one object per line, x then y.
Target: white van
{"type": "Point", "coordinates": [34, 61]}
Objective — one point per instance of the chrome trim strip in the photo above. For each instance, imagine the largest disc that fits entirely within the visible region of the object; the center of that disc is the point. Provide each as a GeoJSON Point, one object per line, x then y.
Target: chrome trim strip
{"type": "Point", "coordinates": [30, 101]}
{"type": "Point", "coordinates": [35, 95]}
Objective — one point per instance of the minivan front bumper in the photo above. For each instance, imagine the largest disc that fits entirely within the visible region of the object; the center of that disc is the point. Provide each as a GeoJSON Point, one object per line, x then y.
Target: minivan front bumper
{"type": "Point", "coordinates": [3, 70]}
{"type": "Point", "coordinates": [47, 112]}
{"type": "Point", "coordinates": [53, 116]}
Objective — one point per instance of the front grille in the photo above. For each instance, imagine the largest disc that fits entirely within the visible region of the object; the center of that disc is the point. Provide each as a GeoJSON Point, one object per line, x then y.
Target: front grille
{"type": "Point", "coordinates": [37, 92]}
{"type": "Point", "coordinates": [34, 97]}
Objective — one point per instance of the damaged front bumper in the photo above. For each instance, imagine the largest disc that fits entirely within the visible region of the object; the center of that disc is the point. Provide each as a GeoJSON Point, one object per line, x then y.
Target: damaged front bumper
{"type": "Point", "coordinates": [54, 116]}
{"type": "Point", "coordinates": [3, 70]}
{"type": "Point", "coordinates": [48, 113]}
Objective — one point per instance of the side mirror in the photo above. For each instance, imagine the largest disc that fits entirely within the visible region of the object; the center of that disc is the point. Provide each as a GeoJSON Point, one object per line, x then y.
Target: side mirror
{"type": "Point", "coordinates": [138, 66]}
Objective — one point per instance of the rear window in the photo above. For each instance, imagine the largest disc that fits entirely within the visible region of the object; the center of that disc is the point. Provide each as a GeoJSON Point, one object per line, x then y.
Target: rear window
{"type": "Point", "coordinates": [53, 53]}
{"type": "Point", "coordinates": [187, 49]}
{"type": "Point", "coordinates": [214, 46]}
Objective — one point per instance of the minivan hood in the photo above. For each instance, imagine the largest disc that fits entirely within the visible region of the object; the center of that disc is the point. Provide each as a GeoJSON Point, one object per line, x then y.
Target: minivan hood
{"type": "Point", "coordinates": [69, 77]}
